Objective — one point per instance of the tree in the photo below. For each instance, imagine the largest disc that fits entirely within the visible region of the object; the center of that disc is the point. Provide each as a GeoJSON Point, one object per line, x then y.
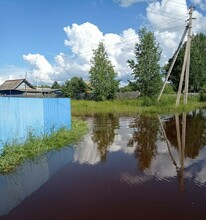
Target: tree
{"type": "Point", "coordinates": [55, 85]}
{"type": "Point", "coordinates": [74, 87]}
{"type": "Point", "coordinates": [102, 75]}
{"type": "Point", "coordinates": [197, 77]}
{"type": "Point", "coordinates": [146, 68]}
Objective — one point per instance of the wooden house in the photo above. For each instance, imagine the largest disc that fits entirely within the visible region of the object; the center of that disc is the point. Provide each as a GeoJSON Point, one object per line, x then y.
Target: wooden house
{"type": "Point", "coordinates": [22, 88]}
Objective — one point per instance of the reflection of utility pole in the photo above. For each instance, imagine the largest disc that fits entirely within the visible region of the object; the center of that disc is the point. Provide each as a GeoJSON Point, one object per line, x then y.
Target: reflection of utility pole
{"type": "Point", "coordinates": [168, 143]}
{"type": "Point", "coordinates": [181, 147]}
{"type": "Point", "coordinates": [186, 63]}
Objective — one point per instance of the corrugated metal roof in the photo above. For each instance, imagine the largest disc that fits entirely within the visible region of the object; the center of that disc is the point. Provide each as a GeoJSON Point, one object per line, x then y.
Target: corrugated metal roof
{"type": "Point", "coordinates": [14, 84]}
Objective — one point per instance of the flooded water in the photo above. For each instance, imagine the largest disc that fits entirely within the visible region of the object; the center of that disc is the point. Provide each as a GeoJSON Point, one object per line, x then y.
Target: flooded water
{"type": "Point", "coordinates": [125, 168]}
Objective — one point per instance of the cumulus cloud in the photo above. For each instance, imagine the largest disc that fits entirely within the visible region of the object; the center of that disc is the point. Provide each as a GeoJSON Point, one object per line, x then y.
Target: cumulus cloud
{"type": "Point", "coordinates": [82, 40]}
{"type": "Point", "coordinates": [168, 20]}
{"type": "Point", "coordinates": [42, 68]}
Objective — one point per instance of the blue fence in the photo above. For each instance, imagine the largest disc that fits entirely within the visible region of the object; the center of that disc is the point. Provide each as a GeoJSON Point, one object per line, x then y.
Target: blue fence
{"type": "Point", "coordinates": [39, 115]}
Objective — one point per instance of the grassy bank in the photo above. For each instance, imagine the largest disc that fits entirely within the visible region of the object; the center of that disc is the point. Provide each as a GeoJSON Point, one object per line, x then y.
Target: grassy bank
{"type": "Point", "coordinates": [143, 106]}
{"type": "Point", "coordinates": [15, 153]}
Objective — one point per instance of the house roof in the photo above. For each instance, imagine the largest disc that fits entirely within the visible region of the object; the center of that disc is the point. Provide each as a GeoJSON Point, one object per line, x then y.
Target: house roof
{"type": "Point", "coordinates": [14, 84]}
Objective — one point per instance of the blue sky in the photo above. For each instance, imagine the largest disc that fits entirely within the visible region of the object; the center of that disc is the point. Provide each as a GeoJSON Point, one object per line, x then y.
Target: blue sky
{"type": "Point", "coordinates": [53, 40]}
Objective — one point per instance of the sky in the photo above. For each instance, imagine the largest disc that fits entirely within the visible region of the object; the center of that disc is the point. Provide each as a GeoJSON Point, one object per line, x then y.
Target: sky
{"type": "Point", "coordinates": [47, 41]}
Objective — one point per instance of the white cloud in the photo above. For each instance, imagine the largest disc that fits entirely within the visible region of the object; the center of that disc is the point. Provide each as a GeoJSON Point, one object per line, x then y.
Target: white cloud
{"type": "Point", "coordinates": [199, 24]}
{"type": "Point", "coordinates": [168, 20]}
{"type": "Point", "coordinates": [127, 3]}
{"type": "Point", "coordinates": [82, 40]}
{"type": "Point", "coordinates": [166, 14]}
{"type": "Point", "coordinates": [42, 68]}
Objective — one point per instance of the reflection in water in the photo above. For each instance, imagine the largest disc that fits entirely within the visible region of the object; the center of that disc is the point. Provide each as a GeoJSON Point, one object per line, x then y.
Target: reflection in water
{"type": "Point", "coordinates": [181, 147]}
{"type": "Point", "coordinates": [187, 134]}
{"type": "Point", "coordinates": [195, 130]}
{"type": "Point", "coordinates": [88, 189]}
{"type": "Point", "coordinates": [14, 188]}
{"type": "Point", "coordinates": [103, 134]}
{"type": "Point", "coordinates": [144, 138]}
{"type": "Point", "coordinates": [159, 147]}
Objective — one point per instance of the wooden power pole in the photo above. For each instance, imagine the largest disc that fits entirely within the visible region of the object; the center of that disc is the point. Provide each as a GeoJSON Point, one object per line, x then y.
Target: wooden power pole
{"type": "Point", "coordinates": [186, 63]}
{"type": "Point", "coordinates": [173, 62]}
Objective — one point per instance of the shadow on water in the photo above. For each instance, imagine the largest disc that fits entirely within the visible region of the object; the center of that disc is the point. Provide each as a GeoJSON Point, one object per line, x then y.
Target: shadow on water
{"type": "Point", "coordinates": [125, 168]}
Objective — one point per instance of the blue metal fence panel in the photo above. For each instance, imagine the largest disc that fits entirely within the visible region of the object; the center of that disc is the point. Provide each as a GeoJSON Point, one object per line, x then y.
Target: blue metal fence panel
{"type": "Point", "coordinates": [40, 115]}
{"type": "Point", "coordinates": [56, 113]}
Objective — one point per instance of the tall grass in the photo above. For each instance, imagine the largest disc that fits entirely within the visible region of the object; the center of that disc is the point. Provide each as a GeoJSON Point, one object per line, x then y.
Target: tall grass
{"type": "Point", "coordinates": [14, 153]}
{"type": "Point", "coordinates": [140, 105]}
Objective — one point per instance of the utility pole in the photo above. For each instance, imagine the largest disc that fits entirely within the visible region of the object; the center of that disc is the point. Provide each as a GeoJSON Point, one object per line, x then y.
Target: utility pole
{"type": "Point", "coordinates": [173, 61]}
{"type": "Point", "coordinates": [186, 63]}
{"type": "Point", "coordinates": [188, 58]}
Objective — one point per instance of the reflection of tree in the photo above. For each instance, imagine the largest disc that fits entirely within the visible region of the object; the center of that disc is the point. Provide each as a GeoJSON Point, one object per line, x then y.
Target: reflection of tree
{"type": "Point", "coordinates": [104, 132]}
{"type": "Point", "coordinates": [145, 137]}
{"type": "Point", "coordinates": [195, 130]}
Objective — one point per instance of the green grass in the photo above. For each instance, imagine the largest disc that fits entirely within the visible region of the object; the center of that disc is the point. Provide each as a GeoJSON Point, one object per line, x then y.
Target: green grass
{"type": "Point", "coordinates": [15, 153]}
{"type": "Point", "coordinates": [142, 105]}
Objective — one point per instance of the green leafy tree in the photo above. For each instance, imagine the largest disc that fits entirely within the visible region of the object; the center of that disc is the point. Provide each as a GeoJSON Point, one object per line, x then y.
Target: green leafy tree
{"type": "Point", "coordinates": [197, 76]}
{"type": "Point", "coordinates": [55, 85]}
{"type": "Point", "coordinates": [102, 75]}
{"type": "Point", "coordinates": [146, 68]}
{"type": "Point", "coordinates": [74, 87]}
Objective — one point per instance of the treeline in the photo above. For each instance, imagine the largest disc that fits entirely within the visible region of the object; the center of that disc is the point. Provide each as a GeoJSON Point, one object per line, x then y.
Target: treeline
{"type": "Point", "coordinates": [146, 71]}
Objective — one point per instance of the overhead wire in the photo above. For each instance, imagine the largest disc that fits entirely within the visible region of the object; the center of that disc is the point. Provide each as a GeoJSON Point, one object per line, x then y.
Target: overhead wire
{"type": "Point", "coordinates": [130, 37]}
{"type": "Point", "coordinates": [133, 37]}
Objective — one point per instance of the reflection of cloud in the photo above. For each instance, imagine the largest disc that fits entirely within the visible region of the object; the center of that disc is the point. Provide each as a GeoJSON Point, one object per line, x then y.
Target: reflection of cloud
{"type": "Point", "coordinates": [123, 135]}
{"type": "Point", "coordinates": [196, 168]}
{"type": "Point", "coordinates": [87, 152]}
{"type": "Point", "coordinates": [162, 166]}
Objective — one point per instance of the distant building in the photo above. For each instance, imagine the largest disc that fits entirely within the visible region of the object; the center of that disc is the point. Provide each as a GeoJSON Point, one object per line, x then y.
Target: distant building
{"type": "Point", "coordinates": [22, 88]}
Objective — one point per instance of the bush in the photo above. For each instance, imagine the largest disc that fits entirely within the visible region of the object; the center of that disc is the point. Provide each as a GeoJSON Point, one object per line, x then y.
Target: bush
{"type": "Point", "coordinates": [148, 101]}
{"type": "Point", "coordinates": [169, 89]}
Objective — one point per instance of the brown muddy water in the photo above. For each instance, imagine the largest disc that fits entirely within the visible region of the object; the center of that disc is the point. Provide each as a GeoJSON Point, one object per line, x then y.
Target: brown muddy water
{"type": "Point", "coordinates": [125, 168]}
